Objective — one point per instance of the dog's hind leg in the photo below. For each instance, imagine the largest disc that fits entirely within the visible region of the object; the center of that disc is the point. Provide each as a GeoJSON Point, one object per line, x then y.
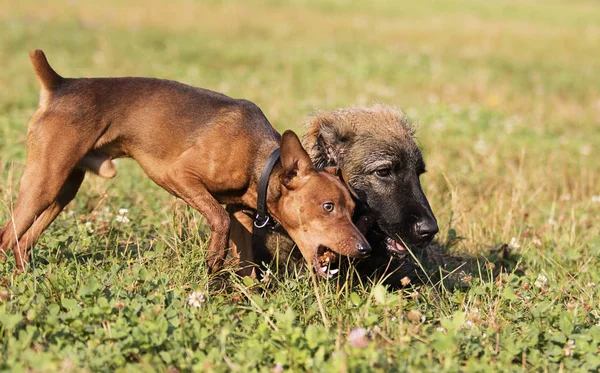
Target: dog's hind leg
{"type": "Point", "coordinates": [54, 147]}
{"type": "Point", "coordinates": [29, 238]}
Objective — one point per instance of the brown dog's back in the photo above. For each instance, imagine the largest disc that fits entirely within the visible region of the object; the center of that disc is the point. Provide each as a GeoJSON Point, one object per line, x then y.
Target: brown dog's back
{"type": "Point", "coordinates": [137, 117]}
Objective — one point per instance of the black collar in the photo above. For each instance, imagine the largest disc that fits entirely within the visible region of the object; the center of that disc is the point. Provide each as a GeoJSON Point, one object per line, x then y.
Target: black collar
{"type": "Point", "coordinates": [262, 218]}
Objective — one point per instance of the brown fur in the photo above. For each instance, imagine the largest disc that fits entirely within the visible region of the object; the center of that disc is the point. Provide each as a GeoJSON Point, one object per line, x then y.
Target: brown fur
{"type": "Point", "coordinates": [182, 137]}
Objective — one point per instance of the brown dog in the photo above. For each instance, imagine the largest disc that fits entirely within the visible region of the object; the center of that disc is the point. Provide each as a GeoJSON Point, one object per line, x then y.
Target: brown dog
{"type": "Point", "coordinates": [199, 145]}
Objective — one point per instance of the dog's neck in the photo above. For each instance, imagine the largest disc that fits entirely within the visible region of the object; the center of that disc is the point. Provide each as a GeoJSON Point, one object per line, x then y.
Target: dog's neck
{"type": "Point", "coordinates": [274, 191]}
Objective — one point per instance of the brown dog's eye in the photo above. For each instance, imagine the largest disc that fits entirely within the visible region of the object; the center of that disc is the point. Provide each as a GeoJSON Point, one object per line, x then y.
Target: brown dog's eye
{"type": "Point", "coordinates": [383, 172]}
{"type": "Point", "coordinates": [328, 206]}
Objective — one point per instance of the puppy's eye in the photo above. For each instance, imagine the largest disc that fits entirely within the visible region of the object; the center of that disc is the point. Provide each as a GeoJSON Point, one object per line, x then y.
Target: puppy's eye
{"type": "Point", "coordinates": [328, 206]}
{"type": "Point", "coordinates": [383, 172]}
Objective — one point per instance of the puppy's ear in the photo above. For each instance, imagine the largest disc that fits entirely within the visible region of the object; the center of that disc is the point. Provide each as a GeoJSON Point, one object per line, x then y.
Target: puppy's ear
{"type": "Point", "coordinates": [341, 174]}
{"type": "Point", "coordinates": [328, 140]}
{"type": "Point", "coordinates": [294, 159]}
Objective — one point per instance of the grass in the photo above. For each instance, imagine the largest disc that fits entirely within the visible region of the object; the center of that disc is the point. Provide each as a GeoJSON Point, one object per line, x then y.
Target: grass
{"type": "Point", "coordinates": [507, 98]}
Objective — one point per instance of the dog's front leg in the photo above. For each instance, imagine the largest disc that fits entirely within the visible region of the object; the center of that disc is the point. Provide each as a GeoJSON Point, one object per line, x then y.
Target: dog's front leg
{"type": "Point", "coordinates": [194, 193]}
{"type": "Point", "coordinates": [240, 241]}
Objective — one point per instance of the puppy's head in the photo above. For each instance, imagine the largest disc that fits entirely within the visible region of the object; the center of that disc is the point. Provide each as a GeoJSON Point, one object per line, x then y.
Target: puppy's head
{"type": "Point", "coordinates": [376, 148]}
{"type": "Point", "coordinates": [316, 208]}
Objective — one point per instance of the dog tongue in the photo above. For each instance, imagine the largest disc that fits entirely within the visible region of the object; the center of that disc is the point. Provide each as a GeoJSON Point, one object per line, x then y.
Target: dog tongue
{"type": "Point", "coordinates": [398, 245]}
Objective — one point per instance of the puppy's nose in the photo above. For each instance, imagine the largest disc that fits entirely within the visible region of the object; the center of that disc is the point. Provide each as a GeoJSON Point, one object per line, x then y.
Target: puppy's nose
{"type": "Point", "coordinates": [426, 229]}
{"type": "Point", "coordinates": [363, 248]}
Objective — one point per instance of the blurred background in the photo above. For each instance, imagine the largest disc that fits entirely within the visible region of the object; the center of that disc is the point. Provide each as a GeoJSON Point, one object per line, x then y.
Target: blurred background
{"type": "Point", "coordinates": [506, 94]}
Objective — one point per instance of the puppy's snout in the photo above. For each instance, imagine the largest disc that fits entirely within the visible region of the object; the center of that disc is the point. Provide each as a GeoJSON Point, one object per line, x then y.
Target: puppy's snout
{"type": "Point", "coordinates": [426, 229]}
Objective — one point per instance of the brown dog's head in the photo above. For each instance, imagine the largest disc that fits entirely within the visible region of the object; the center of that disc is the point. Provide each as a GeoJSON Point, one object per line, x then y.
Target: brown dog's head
{"type": "Point", "coordinates": [316, 208]}
{"type": "Point", "coordinates": [376, 148]}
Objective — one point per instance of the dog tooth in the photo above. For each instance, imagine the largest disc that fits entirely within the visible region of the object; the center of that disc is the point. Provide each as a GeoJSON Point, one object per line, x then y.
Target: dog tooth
{"type": "Point", "coordinates": [324, 269]}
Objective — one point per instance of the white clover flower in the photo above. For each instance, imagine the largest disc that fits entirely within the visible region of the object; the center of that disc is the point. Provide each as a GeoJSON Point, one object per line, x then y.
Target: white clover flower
{"type": "Point", "coordinates": [536, 241]}
{"type": "Point", "coordinates": [103, 215]}
{"type": "Point", "coordinates": [481, 147]}
{"type": "Point", "coordinates": [123, 211]}
{"type": "Point", "coordinates": [509, 125]}
{"type": "Point", "coordinates": [541, 281]}
{"type": "Point", "coordinates": [585, 150]}
{"type": "Point", "coordinates": [196, 298]}
{"type": "Point", "coordinates": [468, 324]}
{"type": "Point", "coordinates": [88, 226]}
{"type": "Point", "coordinates": [266, 277]}
{"type": "Point", "coordinates": [569, 347]}
{"type": "Point", "coordinates": [433, 98]}
{"type": "Point", "coordinates": [438, 125]}
{"type": "Point", "coordinates": [455, 108]}
{"type": "Point", "coordinates": [122, 219]}
{"type": "Point", "coordinates": [358, 338]}
{"type": "Point", "coordinates": [278, 368]}
{"type": "Point", "coordinates": [514, 244]}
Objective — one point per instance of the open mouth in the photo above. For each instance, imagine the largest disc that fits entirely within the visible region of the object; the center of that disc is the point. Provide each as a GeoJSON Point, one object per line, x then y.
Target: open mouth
{"type": "Point", "coordinates": [394, 247]}
{"type": "Point", "coordinates": [326, 262]}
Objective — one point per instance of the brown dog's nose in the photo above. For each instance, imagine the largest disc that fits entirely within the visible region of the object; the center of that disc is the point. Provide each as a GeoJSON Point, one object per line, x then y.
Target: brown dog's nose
{"type": "Point", "coordinates": [363, 248]}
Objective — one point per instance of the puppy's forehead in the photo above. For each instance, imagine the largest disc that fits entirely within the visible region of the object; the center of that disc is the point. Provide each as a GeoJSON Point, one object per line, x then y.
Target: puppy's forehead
{"type": "Point", "coordinates": [378, 129]}
{"type": "Point", "coordinates": [372, 151]}
{"type": "Point", "coordinates": [358, 136]}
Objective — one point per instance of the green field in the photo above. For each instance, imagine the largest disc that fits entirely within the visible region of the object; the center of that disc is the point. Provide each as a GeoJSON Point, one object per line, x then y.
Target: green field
{"type": "Point", "coordinates": [506, 95]}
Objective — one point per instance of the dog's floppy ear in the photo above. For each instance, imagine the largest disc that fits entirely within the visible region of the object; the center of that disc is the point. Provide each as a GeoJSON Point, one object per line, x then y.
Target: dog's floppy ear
{"type": "Point", "coordinates": [294, 159]}
{"type": "Point", "coordinates": [327, 140]}
{"type": "Point", "coordinates": [340, 174]}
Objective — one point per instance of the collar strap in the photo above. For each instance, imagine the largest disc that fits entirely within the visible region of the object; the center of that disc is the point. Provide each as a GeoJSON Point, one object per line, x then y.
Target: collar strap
{"type": "Point", "coordinates": [262, 217]}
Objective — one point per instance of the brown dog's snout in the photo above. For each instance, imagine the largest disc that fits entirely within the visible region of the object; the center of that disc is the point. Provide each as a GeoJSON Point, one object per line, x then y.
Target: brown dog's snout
{"type": "Point", "coordinates": [356, 246]}
{"type": "Point", "coordinates": [363, 248]}
{"type": "Point", "coordinates": [350, 243]}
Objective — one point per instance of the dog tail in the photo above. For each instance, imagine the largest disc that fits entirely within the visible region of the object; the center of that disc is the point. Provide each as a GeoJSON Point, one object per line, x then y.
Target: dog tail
{"type": "Point", "coordinates": [46, 74]}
